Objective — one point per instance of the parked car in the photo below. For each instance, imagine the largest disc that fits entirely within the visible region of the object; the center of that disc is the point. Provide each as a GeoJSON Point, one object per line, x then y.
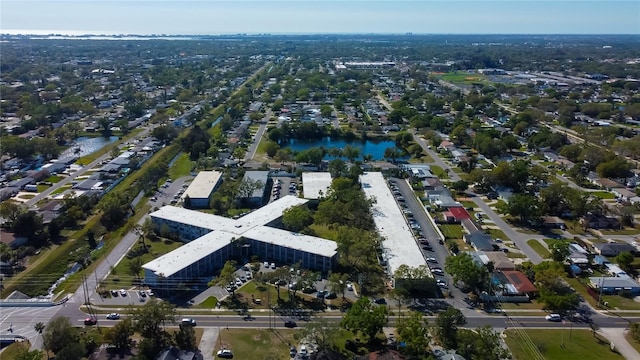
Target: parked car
{"type": "Point", "coordinates": [113, 316]}
{"type": "Point", "coordinates": [142, 293]}
{"type": "Point", "coordinates": [350, 286]}
{"type": "Point", "coordinates": [114, 293]}
{"type": "Point", "coordinates": [123, 292]}
{"type": "Point", "coordinates": [432, 260]}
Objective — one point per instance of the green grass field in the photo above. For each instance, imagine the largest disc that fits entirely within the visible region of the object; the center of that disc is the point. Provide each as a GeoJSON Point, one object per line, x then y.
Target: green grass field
{"type": "Point", "coordinates": [257, 343]}
{"type": "Point", "coordinates": [181, 167]}
{"type": "Point", "coordinates": [560, 345]}
{"type": "Point", "coordinates": [122, 276]}
{"type": "Point", "coordinates": [451, 231]}
{"type": "Point", "coordinates": [605, 195]}
{"type": "Point", "coordinates": [539, 248]}
{"type": "Point", "coordinates": [462, 77]}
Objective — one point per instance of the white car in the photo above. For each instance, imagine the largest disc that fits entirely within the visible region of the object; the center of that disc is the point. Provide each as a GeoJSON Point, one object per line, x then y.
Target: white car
{"type": "Point", "coordinates": [553, 317]}
{"type": "Point", "coordinates": [350, 286]}
{"type": "Point", "coordinates": [432, 260]}
{"type": "Point", "coordinates": [225, 353]}
{"type": "Point", "coordinates": [113, 316]}
{"type": "Point", "coordinates": [123, 292]}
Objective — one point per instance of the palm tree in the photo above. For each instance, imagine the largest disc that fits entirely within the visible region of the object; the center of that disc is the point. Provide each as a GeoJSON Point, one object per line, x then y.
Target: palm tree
{"type": "Point", "coordinates": [39, 327]}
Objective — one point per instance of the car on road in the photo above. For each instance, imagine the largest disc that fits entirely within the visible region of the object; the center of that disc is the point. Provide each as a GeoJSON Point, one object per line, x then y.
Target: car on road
{"type": "Point", "coordinates": [90, 321]}
{"type": "Point", "coordinates": [123, 292]}
{"type": "Point", "coordinates": [189, 321]}
{"type": "Point", "coordinates": [290, 324]}
{"type": "Point", "coordinates": [225, 354]}
{"type": "Point", "coordinates": [380, 301]}
{"type": "Point", "coordinates": [113, 316]}
{"type": "Point", "coordinates": [553, 317]}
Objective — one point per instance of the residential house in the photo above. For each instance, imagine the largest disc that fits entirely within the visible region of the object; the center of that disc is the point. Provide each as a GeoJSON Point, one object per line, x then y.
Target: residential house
{"type": "Point", "coordinates": [614, 285]}
{"type": "Point", "coordinates": [599, 221]}
{"type": "Point", "coordinates": [11, 240]}
{"type": "Point", "coordinates": [479, 241]}
{"type": "Point", "coordinates": [613, 249]}
{"type": "Point", "coordinates": [553, 222]}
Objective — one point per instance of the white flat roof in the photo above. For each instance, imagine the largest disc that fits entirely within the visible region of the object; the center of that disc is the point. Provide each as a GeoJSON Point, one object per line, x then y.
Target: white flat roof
{"type": "Point", "coordinates": [315, 182]}
{"type": "Point", "coordinates": [193, 218]}
{"type": "Point", "coordinates": [271, 211]}
{"type": "Point", "coordinates": [292, 240]}
{"type": "Point", "coordinates": [224, 229]}
{"type": "Point", "coordinates": [202, 186]}
{"type": "Point", "coordinates": [189, 253]}
{"type": "Point", "coordinates": [399, 245]}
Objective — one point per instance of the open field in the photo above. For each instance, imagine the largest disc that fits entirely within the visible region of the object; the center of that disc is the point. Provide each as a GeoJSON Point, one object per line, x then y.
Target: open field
{"type": "Point", "coordinates": [181, 167]}
{"type": "Point", "coordinates": [605, 195]}
{"type": "Point", "coordinates": [560, 345]}
{"type": "Point", "coordinates": [462, 77]}
{"type": "Point", "coordinates": [257, 343]}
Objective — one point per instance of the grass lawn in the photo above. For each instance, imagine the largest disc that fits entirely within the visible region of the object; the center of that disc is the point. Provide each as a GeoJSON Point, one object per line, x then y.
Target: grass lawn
{"type": "Point", "coordinates": [522, 306]}
{"type": "Point", "coordinates": [451, 231]}
{"type": "Point", "coordinates": [61, 189]}
{"type": "Point", "coordinates": [632, 342]}
{"type": "Point", "coordinates": [467, 204]}
{"type": "Point", "coordinates": [12, 351]}
{"type": "Point", "coordinates": [42, 187]}
{"type": "Point", "coordinates": [625, 231]}
{"type": "Point", "coordinates": [581, 346]}
{"type": "Point", "coordinates": [53, 179]}
{"type": "Point", "coordinates": [497, 234]}
{"type": "Point", "coordinates": [462, 77]}
{"type": "Point", "coordinates": [539, 248]}
{"type": "Point", "coordinates": [324, 232]}
{"type": "Point", "coordinates": [257, 343]}
{"type": "Point", "coordinates": [120, 276]}
{"type": "Point", "coordinates": [182, 167]}
{"type": "Point", "coordinates": [439, 172]}
{"type": "Point", "coordinates": [209, 303]}
{"type": "Point", "coordinates": [603, 195]}
{"type": "Point", "coordinates": [262, 146]}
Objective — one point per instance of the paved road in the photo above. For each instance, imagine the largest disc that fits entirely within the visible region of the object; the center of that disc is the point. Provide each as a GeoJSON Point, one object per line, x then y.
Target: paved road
{"type": "Point", "coordinates": [251, 152]}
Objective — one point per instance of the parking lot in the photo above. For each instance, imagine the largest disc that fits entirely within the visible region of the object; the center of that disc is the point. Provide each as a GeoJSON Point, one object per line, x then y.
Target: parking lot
{"type": "Point", "coordinates": [170, 192]}
{"type": "Point", "coordinates": [283, 185]}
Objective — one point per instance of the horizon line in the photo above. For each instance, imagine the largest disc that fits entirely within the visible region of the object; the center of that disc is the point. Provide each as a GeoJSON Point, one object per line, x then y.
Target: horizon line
{"type": "Point", "coordinates": [76, 33]}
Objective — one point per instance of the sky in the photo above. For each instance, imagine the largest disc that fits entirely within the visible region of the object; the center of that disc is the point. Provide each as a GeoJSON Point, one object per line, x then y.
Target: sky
{"type": "Point", "coordinates": [319, 16]}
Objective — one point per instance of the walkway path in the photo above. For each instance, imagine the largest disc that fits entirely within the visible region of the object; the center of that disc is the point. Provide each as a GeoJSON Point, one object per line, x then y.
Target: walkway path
{"type": "Point", "coordinates": [616, 336]}
{"type": "Point", "coordinates": [208, 342]}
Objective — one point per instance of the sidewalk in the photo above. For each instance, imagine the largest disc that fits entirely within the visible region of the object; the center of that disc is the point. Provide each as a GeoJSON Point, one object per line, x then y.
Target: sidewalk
{"type": "Point", "coordinates": [616, 336]}
{"type": "Point", "coordinates": [208, 342]}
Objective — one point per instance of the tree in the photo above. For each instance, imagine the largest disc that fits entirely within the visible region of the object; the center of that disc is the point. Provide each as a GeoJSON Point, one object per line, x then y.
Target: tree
{"type": "Point", "coordinates": [524, 206]}
{"type": "Point", "coordinates": [227, 274]}
{"type": "Point", "coordinates": [10, 211]}
{"type": "Point", "coordinates": [634, 330]}
{"type": "Point", "coordinates": [413, 331]}
{"type": "Point", "coordinates": [447, 324]}
{"type": "Point", "coordinates": [135, 266]}
{"type": "Point", "coordinates": [297, 218]}
{"type": "Point", "coordinates": [464, 269]}
{"type": "Point", "coordinates": [149, 321]}
{"type": "Point", "coordinates": [73, 351]}
{"type": "Point", "coordinates": [271, 148]}
{"type": "Point", "coordinates": [337, 168]}
{"type": "Point", "coordinates": [482, 344]}
{"type": "Point", "coordinates": [185, 338]}
{"type": "Point", "coordinates": [460, 186]}
{"type": "Point", "coordinates": [59, 334]}
{"type": "Point", "coordinates": [624, 259]}
{"type": "Point", "coordinates": [559, 250]}
{"type": "Point", "coordinates": [39, 327]}
{"type": "Point", "coordinates": [338, 283]}
{"type": "Point", "coordinates": [365, 317]}
{"type": "Point", "coordinates": [120, 334]}
{"type": "Point", "coordinates": [321, 332]}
